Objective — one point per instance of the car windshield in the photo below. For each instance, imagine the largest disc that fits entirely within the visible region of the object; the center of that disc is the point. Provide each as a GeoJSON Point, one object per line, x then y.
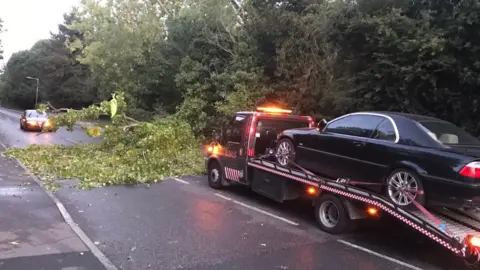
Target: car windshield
{"type": "Point", "coordinates": [35, 114]}
{"type": "Point", "coordinates": [448, 134]}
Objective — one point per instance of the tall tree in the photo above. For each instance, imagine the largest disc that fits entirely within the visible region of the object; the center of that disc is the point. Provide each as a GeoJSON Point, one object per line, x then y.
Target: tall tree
{"type": "Point", "coordinates": [217, 74]}
{"type": "Point", "coordinates": [63, 81]}
{"type": "Point", "coordinates": [120, 39]}
{"type": "Point", "coordinates": [412, 57]}
{"type": "Point", "coordinates": [78, 87]}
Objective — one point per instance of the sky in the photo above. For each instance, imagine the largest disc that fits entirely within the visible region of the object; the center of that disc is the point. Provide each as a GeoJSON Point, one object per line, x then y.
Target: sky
{"type": "Point", "coordinates": [27, 21]}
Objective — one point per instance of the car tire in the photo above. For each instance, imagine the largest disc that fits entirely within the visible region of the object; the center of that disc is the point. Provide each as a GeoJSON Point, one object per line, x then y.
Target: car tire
{"type": "Point", "coordinates": [400, 179]}
{"type": "Point", "coordinates": [215, 176]}
{"type": "Point", "coordinates": [285, 152]}
{"type": "Point", "coordinates": [332, 216]}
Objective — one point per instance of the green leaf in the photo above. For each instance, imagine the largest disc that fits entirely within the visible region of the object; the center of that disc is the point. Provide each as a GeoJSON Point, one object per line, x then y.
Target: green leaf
{"type": "Point", "coordinates": [113, 107]}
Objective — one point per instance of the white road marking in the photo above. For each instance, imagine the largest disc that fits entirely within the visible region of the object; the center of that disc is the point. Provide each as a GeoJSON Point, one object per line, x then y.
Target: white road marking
{"type": "Point", "coordinates": [69, 140]}
{"type": "Point", "coordinates": [181, 181]}
{"type": "Point", "coordinates": [379, 255]}
{"type": "Point", "coordinates": [68, 219]}
{"type": "Point", "coordinates": [223, 197]}
{"type": "Point", "coordinates": [257, 209]}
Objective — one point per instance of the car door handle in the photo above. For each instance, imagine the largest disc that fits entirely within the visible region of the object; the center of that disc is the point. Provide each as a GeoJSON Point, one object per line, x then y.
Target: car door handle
{"type": "Point", "coordinates": [359, 144]}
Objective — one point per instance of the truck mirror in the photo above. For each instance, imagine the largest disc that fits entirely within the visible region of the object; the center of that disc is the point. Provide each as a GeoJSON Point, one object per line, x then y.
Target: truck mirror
{"type": "Point", "coordinates": [322, 124]}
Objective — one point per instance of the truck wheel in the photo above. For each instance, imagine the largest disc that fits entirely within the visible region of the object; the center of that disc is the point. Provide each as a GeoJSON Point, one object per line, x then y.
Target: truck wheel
{"type": "Point", "coordinates": [331, 215]}
{"type": "Point", "coordinates": [285, 152]}
{"type": "Point", "coordinates": [215, 176]}
{"type": "Point", "coordinates": [472, 257]}
{"type": "Point", "coordinates": [398, 181]}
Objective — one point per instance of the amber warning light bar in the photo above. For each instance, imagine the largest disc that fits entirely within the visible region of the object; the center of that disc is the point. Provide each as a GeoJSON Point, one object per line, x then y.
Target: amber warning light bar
{"type": "Point", "coordinates": [273, 110]}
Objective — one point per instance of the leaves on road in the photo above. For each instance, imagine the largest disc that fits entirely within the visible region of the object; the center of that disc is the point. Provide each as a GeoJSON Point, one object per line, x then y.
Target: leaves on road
{"type": "Point", "coordinates": [131, 151]}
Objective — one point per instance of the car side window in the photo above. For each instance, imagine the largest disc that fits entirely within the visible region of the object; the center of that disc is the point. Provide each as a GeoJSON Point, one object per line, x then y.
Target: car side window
{"type": "Point", "coordinates": [359, 125]}
{"type": "Point", "coordinates": [236, 129]}
{"type": "Point", "coordinates": [385, 131]}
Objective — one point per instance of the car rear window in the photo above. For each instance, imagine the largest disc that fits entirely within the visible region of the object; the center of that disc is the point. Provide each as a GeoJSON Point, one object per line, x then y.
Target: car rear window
{"type": "Point", "coordinates": [447, 133]}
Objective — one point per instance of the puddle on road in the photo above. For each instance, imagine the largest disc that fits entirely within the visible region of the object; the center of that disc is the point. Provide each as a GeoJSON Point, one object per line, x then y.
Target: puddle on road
{"type": "Point", "coordinates": [13, 191]}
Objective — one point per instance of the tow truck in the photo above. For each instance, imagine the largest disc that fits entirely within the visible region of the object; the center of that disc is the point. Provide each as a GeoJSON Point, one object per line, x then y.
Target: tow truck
{"type": "Point", "coordinates": [245, 154]}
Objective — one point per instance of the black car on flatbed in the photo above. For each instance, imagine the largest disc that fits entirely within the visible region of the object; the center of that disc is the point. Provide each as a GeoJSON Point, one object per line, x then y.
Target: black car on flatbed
{"type": "Point", "coordinates": [396, 151]}
{"type": "Point", "coordinates": [245, 154]}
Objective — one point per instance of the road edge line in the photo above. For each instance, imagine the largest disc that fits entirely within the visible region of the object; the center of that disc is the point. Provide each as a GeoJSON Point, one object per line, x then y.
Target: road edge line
{"type": "Point", "coordinates": [286, 220]}
{"type": "Point", "coordinates": [180, 180]}
{"type": "Point", "coordinates": [379, 255]}
{"type": "Point", "coordinates": [69, 220]}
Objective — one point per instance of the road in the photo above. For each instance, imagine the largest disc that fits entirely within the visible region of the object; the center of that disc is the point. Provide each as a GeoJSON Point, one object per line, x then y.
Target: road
{"type": "Point", "coordinates": [183, 224]}
{"type": "Point", "coordinates": [11, 134]}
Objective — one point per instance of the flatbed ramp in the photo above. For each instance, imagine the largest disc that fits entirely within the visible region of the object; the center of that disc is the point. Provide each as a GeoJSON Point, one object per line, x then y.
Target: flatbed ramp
{"type": "Point", "coordinates": [451, 229]}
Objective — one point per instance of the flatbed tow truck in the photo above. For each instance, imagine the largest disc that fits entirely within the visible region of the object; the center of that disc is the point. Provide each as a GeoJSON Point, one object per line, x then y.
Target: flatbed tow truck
{"type": "Point", "coordinates": [245, 155]}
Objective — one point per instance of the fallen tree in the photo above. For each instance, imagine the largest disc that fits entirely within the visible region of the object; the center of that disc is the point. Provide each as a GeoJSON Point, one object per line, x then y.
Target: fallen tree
{"type": "Point", "coordinates": [130, 152]}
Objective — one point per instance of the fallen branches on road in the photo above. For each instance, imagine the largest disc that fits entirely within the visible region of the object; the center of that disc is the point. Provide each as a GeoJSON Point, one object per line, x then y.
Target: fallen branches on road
{"type": "Point", "coordinates": [131, 151]}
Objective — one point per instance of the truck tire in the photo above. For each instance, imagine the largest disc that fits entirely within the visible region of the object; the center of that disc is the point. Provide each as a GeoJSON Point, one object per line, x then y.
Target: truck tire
{"type": "Point", "coordinates": [215, 176]}
{"type": "Point", "coordinates": [332, 216]}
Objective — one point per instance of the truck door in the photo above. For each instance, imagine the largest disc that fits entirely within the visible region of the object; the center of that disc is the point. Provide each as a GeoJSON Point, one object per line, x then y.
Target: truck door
{"type": "Point", "coordinates": [234, 156]}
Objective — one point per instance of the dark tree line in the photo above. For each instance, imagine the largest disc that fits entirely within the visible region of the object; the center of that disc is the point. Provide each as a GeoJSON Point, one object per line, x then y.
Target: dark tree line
{"type": "Point", "coordinates": [205, 59]}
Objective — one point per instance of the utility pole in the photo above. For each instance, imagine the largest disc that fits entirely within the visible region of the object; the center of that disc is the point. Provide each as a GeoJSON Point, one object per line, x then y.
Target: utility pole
{"type": "Point", "coordinates": [36, 95]}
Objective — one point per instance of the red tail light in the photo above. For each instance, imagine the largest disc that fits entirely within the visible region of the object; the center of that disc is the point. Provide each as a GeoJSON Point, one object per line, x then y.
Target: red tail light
{"type": "Point", "coordinates": [472, 170]}
{"type": "Point", "coordinates": [311, 122]}
{"type": "Point", "coordinates": [250, 152]}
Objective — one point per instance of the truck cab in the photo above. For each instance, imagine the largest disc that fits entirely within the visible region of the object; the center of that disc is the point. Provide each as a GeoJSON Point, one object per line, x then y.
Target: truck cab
{"type": "Point", "coordinates": [248, 134]}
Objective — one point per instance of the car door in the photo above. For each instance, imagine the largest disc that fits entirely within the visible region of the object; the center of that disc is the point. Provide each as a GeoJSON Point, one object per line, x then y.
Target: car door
{"type": "Point", "coordinates": [339, 148]}
{"type": "Point", "coordinates": [233, 157]}
{"type": "Point", "coordinates": [380, 151]}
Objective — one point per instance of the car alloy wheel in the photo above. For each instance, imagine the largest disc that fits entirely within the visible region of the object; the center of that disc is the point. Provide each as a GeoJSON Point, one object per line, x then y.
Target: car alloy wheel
{"type": "Point", "coordinates": [284, 152]}
{"type": "Point", "coordinates": [402, 188]}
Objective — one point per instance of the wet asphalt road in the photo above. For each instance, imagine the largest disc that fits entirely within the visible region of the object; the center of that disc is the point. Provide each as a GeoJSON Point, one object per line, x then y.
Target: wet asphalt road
{"type": "Point", "coordinates": [173, 225]}
{"type": "Point", "coordinates": [11, 135]}
{"type": "Point", "coordinates": [33, 234]}
{"type": "Point", "coordinates": [186, 225]}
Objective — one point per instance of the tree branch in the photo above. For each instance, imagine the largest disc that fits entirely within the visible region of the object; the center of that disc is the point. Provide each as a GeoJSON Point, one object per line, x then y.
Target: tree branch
{"type": "Point", "coordinates": [57, 110]}
{"type": "Point", "coordinates": [130, 119]}
{"type": "Point", "coordinates": [129, 126]}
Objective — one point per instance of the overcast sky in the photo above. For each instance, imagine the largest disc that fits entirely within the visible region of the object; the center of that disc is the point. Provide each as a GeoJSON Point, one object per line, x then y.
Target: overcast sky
{"type": "Point", "coordinates": [27, 21]}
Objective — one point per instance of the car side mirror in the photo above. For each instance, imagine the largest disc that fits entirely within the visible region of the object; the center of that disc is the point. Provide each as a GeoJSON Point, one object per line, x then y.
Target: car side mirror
{"type": "Point", "coordinates": [322, 124]}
